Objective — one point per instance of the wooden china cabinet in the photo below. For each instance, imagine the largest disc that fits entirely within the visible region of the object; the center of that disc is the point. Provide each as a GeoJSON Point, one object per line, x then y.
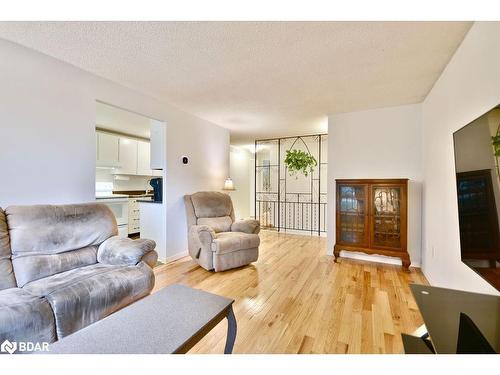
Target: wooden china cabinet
{"type": "Point", "coordinates": [371, 217]}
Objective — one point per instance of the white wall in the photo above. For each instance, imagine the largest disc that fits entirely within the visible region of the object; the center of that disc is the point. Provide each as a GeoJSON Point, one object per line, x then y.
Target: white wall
{"type": "Point", "coordinates": [380, 143]}
{"type": "Point", "coordinates": [241, 171]}
{"type": "Point", "coordinates": [207, 147]}
{"type": "Point", "coordinates": [47, 151]}
{"type": "Point", "coordinates": [47, 124]}
{"type": "Point", "coordinates": [468, 87]}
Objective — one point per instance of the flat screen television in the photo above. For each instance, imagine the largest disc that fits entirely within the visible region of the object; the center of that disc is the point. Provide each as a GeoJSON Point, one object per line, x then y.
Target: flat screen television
{"type": "Point", "coordinates": [477, 167]}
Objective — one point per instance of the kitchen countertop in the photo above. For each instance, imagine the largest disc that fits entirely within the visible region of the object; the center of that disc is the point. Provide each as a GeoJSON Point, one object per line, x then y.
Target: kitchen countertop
{"type": "Point", "coordinates": [111, 196]}
{"type": "Point", "coordinates": [131, 192]}
{"type": "Point", "coordinates": [114, 196]}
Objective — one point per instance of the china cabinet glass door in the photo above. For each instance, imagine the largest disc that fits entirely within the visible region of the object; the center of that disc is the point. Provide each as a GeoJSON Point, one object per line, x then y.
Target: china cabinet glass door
{"type": "Point", "coordinates": [352, 215]}
{"type": "Point", "coordinates": [386, 216]}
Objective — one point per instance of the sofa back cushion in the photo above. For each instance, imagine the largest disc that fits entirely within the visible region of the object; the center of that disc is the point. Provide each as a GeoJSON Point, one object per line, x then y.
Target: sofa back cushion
{"type": "Point", "coordinates": [7, 279]}
{"type": "Point", "coordinates": [218, 224]}
{"type": "Point", "coordinates": [212, 204]}
{"type": "Point", "coordinates": [46, 240]}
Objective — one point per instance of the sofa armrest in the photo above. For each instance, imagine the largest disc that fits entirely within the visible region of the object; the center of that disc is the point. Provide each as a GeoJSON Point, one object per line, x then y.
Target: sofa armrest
{"type": "Point", "coordinates": [250, 226]}
{"type": "Point", "coordinates": [127, 252]}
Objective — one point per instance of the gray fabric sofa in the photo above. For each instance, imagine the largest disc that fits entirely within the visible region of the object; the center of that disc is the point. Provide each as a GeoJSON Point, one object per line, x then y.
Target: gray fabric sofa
{"type": "Point", "coordinates": [63, 268]}
{"type": "Point", "coordinates": [215, 240]}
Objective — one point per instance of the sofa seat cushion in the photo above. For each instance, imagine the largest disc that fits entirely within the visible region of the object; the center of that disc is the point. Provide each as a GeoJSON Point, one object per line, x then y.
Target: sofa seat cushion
{"type": "Point", "coordinates": [24, 317]}
{"type": "Point", "coordinates": [85, 295]}
{"type": "Point", "coordinates": [227, 242]}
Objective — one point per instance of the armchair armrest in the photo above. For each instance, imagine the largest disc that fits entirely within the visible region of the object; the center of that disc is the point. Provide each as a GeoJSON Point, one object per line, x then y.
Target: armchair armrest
{"type": "Point", "coordinates": [200, 241]}
{"type": "Point", "coordinates": [250, 226]}
{"type": "Point", "coordinates": [127, 252]}
{"type": "Point", "coordinates": [203, 233]}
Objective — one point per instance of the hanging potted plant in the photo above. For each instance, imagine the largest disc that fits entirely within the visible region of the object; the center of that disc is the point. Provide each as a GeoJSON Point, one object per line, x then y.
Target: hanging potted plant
{"type": "Point", "coordinates": [299, 161]}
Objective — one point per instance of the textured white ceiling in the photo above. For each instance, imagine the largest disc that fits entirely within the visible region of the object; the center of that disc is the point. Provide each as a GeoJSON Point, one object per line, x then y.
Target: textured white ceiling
{"type": "Point", "coordinates": [259, 79]}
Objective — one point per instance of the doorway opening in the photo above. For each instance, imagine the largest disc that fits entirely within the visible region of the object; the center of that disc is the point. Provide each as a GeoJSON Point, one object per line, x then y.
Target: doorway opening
{"type": "Point", "coordinates": [291, 203]}
{"type": "Point", "coordinates": [128, 178]}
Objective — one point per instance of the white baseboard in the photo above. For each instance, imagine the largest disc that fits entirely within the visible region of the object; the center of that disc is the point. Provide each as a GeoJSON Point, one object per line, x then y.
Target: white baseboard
{"type": "Point", "coordinates": [430, 280]}
{"type": "Point", "coordinates": [174, 257]}
{"type": "Point", "coordinates": [374, 258]}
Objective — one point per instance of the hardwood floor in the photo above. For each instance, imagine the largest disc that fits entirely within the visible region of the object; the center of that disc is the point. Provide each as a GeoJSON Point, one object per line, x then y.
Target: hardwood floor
{"type": "Point", "coordinates": [296, 299]}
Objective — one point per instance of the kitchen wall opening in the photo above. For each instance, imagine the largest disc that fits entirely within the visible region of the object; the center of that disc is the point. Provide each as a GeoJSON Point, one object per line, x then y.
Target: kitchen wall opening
{"type": "Point", "coordinates": [130, 159]}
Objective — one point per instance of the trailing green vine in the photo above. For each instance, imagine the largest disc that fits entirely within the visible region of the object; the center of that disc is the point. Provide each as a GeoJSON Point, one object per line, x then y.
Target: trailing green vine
{"type": "Point", "coordinates": [495, 142]}
{"type": "Point", "coordinates": [299, 161]}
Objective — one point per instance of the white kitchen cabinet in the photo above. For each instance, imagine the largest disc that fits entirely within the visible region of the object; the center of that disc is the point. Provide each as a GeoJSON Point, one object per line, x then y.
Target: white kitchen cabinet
{"type": "Point", "coordinates": [107, 149]}
{"type": "Point", "coordinates": [158, 145]}
{"type": "Point", "coordinates": [143, 158]}
{"type": "Point", "coordinates": [125, 155]}
{"type": "Point", "coordinates": [128, 156]}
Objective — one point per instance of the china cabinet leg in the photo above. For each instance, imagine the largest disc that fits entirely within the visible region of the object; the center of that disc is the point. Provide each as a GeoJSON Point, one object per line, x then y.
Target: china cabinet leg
{"type": "Point", "coordinates": [406, 262]}
{"type": "Point", "coordinates": [336, 253]}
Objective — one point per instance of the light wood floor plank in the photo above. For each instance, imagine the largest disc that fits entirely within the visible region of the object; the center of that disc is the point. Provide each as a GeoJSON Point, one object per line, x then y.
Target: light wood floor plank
{"type": "Point", "coordinates": [296, 299]}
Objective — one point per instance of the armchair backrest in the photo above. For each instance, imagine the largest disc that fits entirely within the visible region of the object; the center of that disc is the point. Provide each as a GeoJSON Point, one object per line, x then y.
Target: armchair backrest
{"type": "Point", "coordinates": [210, 208]}
{"type": "Point", "coordinates": [45, 240]}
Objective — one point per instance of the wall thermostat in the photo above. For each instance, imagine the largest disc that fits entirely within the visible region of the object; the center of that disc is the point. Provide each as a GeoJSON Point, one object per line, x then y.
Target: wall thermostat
{"type": "Point", "coordinates": [185, 160]}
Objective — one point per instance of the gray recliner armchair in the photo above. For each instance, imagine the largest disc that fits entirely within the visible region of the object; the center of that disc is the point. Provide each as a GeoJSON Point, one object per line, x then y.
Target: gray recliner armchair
{"type": "Point", "coordinates": [216, 241]}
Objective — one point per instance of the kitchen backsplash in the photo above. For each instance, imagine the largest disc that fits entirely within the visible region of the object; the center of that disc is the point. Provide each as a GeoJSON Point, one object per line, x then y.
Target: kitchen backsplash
{"type": "Point", "coordinates": [121, 182]}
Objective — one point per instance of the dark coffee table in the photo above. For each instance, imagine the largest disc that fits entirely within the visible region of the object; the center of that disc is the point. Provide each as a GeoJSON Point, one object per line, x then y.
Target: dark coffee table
{"type": "Point", "coordinates": [171, 320]}
{"type": "Point", "coordinates": [456, 321]}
